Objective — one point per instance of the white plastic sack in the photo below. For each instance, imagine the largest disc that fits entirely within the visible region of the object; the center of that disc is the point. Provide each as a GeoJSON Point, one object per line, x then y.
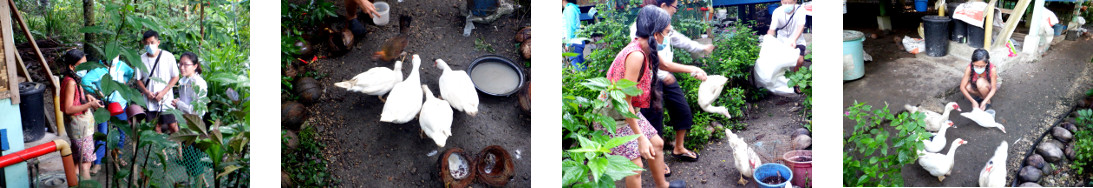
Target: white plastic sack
{"type": "Point", "coordinates": [775, 58]}
{"type": "Point", "coordinates": [913, 45]}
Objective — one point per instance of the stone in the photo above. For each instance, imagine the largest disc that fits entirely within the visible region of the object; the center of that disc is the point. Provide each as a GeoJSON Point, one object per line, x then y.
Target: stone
{"type": "Point", "coordinates": [1062, 134]}
{"type": "Point", "coordinates": [1030, 174]}
{"type": "Point", "coordinates": [1035, 161]}
{"type": "Point", "coordinates": [1048, 169]}
{"type": "Point", "coordinates": [293, 140]}
{"type": "Point", "coordinates": [1069, 126]}
{"type": "Point", "coordinates": [803, 131]}
{"type": "Point", "coordinates": [1050, 151]}
{"type": "Point", "coordinates": [1069, 151]}
{"type": "Point", "coordinates": [1030, 184]}
{"type": "Point", "coordinates": [802, 142]}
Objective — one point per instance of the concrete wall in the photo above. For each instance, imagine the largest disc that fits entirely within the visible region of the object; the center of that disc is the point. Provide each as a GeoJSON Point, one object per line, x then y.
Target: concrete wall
{"type": "Point", "coordinates": [16, 175]}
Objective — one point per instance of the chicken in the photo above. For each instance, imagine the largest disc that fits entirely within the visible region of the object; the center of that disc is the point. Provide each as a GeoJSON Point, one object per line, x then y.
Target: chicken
{"type": "Point", "coordinates": [994, 173]}
{"type": "Point", "coordinates": [983, 118]}
{"type": "Point", "coordinates": [457, 88]}
{"type": "Point", "coordinates": [744, 157]}
{"type": "Point", "coordinates": [393, 47]}
{"type": "Point", "coordinates": [435, 118]}
{"type": "Point", "coordinates": [937, 164]}
{"type": "Point", "coordinates": [404, 102]}
{"type": "Point", "coordinates": [708, 92]}
{"type": "Point", "coordinates": [376, 81]}
{"type": "Point", "coordinates": [934, 121]}
{"type": "Point", "coordinates": [938, 141]}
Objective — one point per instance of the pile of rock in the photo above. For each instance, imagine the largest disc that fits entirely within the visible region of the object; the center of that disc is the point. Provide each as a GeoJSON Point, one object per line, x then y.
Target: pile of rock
{"type": "Point", "coordinates": [1049, 156]}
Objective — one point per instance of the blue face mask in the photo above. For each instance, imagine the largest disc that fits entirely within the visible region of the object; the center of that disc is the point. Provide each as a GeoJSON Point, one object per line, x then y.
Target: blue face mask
{"type": "Point", "coordinates": [979, 70]}
{"type": "Point", "coordinates": [661, 45]}
{"type": "Point", "coordinates": [789, 9]}
{"type": "Point", "coordinates": [150, 49]}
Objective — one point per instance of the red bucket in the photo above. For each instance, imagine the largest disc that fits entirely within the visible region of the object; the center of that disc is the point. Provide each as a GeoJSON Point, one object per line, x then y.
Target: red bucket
{"type": "Point", "coordinates": [800, 162]}
{"type": "Point", "coordinates": [115, 108]}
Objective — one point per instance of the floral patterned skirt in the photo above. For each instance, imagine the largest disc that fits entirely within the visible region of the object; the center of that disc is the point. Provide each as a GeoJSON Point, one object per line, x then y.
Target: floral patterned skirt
{"type": "Point", "coordinates": [630, 149]}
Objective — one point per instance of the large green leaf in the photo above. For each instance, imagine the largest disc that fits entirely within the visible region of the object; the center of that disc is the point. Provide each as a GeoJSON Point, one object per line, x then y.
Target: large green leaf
{"type": "Point", "coordinates": [101, 115]}
{"type": "Point", "coordinates": [619, 141]}
{"type": "Point", "coordinates": [598, 166]}
{"type": "Point", "coordinates": [573, 172]}
{"type": "Point", "coordinates": [619, 167]}
{"type": "Point", "coordinates": [97, 29]}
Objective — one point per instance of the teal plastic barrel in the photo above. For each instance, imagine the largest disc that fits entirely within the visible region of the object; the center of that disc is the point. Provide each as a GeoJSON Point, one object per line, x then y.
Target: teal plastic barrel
{"type": "Point", "coordinates": [772, 170]}
{"type": "Point", "coordinates": [852, 52]}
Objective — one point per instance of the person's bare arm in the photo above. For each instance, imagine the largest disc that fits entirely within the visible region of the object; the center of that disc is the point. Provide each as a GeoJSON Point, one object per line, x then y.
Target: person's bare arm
{"type": "Point", "coordinates": [681, 68]}
{"type": "Point", "coordinates": [170, 84]}
{"type": "Point", "coordinates": [368, 8]}
{"type": "Point", "coordinates": [964, 87]}
{"type": "Point", "coordinates": [69, 95]}
{"type": "Point", "coordinates": [994, 88]}
{"type": "Point", "coordinates": [144, 90]}
{"type": "Point", "coordinates": [796, 33]}
{"type": "Point", "coordinates": [634, 62]}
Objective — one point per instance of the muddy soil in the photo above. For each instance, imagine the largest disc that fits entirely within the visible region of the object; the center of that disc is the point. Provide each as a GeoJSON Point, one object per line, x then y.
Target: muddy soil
{"type": "Point", "coordinates": [771, 123]}
{"type": "Point", "coordinates": [364, 152]}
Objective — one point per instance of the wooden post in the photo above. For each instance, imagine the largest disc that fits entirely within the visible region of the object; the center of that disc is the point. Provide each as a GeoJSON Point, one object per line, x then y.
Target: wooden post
{"type": "Point", "coordinates": [989, 25]}
{"type": "Point", "coordinates": [23, 67]}
{"type": "Point", "coordinates": [1011, 23]}
{"type": "Point", "coordinates": [9, 50]}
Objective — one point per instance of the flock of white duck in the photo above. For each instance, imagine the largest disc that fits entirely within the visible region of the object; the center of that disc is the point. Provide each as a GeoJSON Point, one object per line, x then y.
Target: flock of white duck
{"type": "Point", "coordinates": [941, 165]}
{"type": "Point", "coordinates": [404, 97]}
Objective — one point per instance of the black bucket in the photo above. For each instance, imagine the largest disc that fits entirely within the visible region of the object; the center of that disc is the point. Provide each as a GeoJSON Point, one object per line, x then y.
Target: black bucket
{"type": "Point", "coordinates": [30, 109]}
{"type": "Point", "coordinates": [936, 29]}
{"type": "Point", "coordinates": [975, 36]}
{"type": "Point", "coordinates": [960, 30]}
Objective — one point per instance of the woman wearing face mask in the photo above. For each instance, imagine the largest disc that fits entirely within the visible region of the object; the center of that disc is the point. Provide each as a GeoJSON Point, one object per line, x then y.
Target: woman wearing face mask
{"type": "Point", "coordinates": [78, 106]}
{"type": "Point", "coordinates": [637, 62]}
{"type": "Point", "coordinates": [980, 80]}
{"type": "Point", "coordinates": [191, 86]}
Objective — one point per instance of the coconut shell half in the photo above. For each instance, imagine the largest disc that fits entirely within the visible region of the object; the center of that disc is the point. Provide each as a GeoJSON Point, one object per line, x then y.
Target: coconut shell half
{"type": "Point", "coordinates": [445, 172]}
{"type": "Point", "coordinates": [502, 169]}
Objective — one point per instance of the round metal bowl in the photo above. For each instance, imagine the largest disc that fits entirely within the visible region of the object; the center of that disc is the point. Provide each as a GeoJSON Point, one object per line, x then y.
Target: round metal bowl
{"type": "Point", "coordinates": [493, 58]}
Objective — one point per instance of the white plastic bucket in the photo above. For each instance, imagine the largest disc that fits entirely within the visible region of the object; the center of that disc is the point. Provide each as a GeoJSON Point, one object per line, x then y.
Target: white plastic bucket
{"type": "Point", "coordinates": [384, 10]}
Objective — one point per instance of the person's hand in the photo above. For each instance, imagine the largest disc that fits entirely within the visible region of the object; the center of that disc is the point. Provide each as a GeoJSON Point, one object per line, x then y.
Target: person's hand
{"type": "Point", "coordinates": [174, 102]}
{"type": "Point", "coordinates": [94, 103]}
{"type": "Point", "coordinates": [975, 104]}
{"type": "Point", "coordinates": [709, 48]}
{"type": "Point", "coordinates": [646, 148]}
{"type": "Point", "coordinates": [983, 106]}
{"type": "Point", "coordinates": [160, 94]}
{"type": "Point", "coordinates": [699, 74]}
{"type": "Point", "coordinates": [368, 8]}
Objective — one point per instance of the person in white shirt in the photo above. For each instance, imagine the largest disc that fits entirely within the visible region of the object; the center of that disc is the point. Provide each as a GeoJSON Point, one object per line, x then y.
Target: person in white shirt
{"type": "Point", "coordinates": [157, 83]}
{"type": "Point", "coordinates": [191, 87]}
{"type": "Point", "coordinates": [788, 23]}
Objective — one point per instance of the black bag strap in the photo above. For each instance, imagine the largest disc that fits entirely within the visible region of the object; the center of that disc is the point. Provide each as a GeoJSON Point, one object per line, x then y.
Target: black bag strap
{"type": "Point", "coordinates": [153, 71]}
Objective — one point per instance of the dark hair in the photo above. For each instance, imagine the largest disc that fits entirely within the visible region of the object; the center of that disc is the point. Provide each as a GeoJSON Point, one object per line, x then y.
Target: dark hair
{"type": "Point", "coordinates": [665, 2]}
{"type": "Point", "coordinates": [652, 20]}
{"type": "Point", "coordinates": [982, 55]}
{"type": "Point", "coordinates": [571, 1]}
{"type": "Point", "coordinates": [69, 59]}
{"type": "Point", "coordinates": [193, 58]}
{"type": "Point", "coordinates": [149, 34]}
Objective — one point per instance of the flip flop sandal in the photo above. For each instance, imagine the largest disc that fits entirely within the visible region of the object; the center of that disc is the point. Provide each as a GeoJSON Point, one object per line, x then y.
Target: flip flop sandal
{"type": "Point", "coordinates": [668, 172]}
{"type": "Point", "coordinates": [685, 157]}
{"type": "Point", "coordinates": [677, 184]}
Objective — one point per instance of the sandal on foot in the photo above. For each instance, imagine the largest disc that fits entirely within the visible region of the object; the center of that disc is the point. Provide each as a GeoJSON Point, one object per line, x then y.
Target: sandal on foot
{"type": "Point", "coordinates": [677, 184]}
{"type": "Point", "coordinates": [686, 157]}
{"type": "Point", "coordinates": [667, 172]}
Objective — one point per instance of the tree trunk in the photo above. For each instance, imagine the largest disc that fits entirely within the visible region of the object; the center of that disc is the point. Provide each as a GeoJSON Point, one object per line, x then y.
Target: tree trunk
{"type": "Point", "coordinates": [89, 20]}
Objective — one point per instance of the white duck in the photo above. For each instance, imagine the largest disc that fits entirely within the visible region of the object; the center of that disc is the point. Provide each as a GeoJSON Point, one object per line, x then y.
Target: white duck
{"type": "Point", "coordinates": [404, 102]}
{"type": "Point", "coordinates": [983, 118]}
{"type": "Point", "coordinates": [745, 158]}
{"type": "Point", "coordinates": [938, 164]}
{"type": "Point", "coordinates": [994, 173]}
{"type": "Point", "coordinates": [435, 118]}
{"type": "Point", "coordinates": [938, 141]}
{"type": "Point", "coordinates": [708, 92]}
{"type": "Point", "coordinates": [934, 121]}
{"type": "Point", "coordinates": [376, 81]}
{"type": "Point", "coordinates": [456, 87]}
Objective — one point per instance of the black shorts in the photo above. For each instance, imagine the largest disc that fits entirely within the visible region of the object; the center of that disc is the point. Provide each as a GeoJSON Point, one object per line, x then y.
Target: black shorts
{"type": "Point", "coordinates": [676, 105]}
{"type": "Point", "coordinates": [802, 47]}
{"type": "Point", "coordinates": [163, 119]}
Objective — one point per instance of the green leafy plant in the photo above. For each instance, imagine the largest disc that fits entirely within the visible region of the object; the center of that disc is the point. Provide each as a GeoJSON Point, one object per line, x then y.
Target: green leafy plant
{"type": "Point", "coordinates": [306, 164]}
{"type": "Point", "coordinates": [590, 164]}
{"type": "Point", "coordinates": [481, 45]}
{"type": "Point", "coordinates": [874, 156]}
{"type": "Point", "coordinates": [1083, 161]}
{"type": "Point", "coordinates": [802, 80]}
